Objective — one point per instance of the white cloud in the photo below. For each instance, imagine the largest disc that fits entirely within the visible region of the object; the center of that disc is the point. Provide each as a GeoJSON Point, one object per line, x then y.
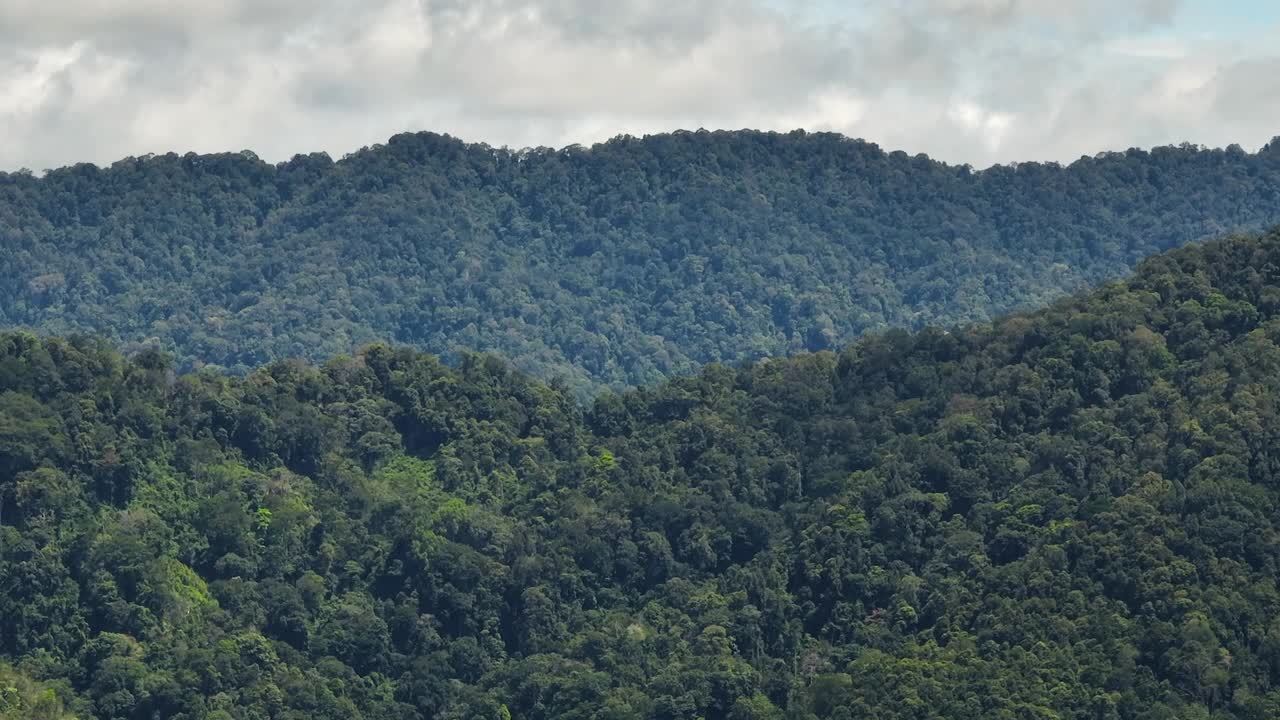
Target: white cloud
{"type": "Point", "coordinates": [976, 81]}
{"type": "Point", "coordinates": [987, 127]}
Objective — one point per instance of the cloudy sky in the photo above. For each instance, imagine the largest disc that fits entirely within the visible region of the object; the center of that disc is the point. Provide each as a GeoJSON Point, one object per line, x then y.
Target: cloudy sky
{"type": "Point", "coordinates": [976, 81]}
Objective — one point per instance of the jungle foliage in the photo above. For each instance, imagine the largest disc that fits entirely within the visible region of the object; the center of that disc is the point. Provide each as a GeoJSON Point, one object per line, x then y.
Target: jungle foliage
{"type": "Point", "coordinates": [1073, 513]}
{"type": "Point", "coordinates": [610, 266]}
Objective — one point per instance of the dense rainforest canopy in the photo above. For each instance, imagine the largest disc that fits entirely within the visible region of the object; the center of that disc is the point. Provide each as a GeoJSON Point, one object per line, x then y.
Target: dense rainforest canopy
{"type": "Point", "coordinates": [1068, 514]}
{"type": "Point", "coordinates": [618, 264]}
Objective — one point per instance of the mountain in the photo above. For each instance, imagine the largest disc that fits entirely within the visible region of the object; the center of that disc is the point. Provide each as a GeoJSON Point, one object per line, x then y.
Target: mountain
{"type": "Point", "coordinates": [1072, 513]}
{"type": "Point", "coordinates": [614, 265]}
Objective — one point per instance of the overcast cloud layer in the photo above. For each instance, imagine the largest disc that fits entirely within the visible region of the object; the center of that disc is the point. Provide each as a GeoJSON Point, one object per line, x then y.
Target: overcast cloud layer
{"type": "Point", "coordinates": [977, 81]}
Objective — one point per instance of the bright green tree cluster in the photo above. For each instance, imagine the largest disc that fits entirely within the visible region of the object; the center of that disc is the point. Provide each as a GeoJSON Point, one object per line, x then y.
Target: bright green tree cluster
{"type": "Point", "coordinates": [1070, 514]}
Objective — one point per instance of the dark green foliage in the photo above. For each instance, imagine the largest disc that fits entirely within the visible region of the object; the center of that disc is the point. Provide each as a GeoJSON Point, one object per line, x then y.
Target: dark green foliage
{"type": "Point", "coordinates": [1068, 514]}
{"type": "Point", "coordinates": [616, 265]}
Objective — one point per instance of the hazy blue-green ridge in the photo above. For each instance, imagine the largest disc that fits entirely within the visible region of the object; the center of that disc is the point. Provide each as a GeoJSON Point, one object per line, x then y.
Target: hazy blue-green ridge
{"type": "Point", "coordinates": [613, 265]}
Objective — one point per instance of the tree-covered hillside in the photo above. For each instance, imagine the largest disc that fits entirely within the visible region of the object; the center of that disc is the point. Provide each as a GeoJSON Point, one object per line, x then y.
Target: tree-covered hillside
{"type": "Point", "coordinates": [1071, 514]}
{"type": "Point", "coordinates": [618, 264]}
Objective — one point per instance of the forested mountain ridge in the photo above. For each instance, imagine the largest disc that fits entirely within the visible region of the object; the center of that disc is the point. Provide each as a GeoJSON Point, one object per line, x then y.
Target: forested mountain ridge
{"type": "Point", "coordinates": [1068, 514]}
{"type": "Point", "coordinates": [617, 264]}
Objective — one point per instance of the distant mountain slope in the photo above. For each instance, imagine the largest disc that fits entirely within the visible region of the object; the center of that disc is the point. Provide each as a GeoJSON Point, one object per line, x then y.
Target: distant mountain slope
{"type": "Point", "coordinates": [1072, 514]}
{"type": "Point", "coordinates": [617, 264]}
